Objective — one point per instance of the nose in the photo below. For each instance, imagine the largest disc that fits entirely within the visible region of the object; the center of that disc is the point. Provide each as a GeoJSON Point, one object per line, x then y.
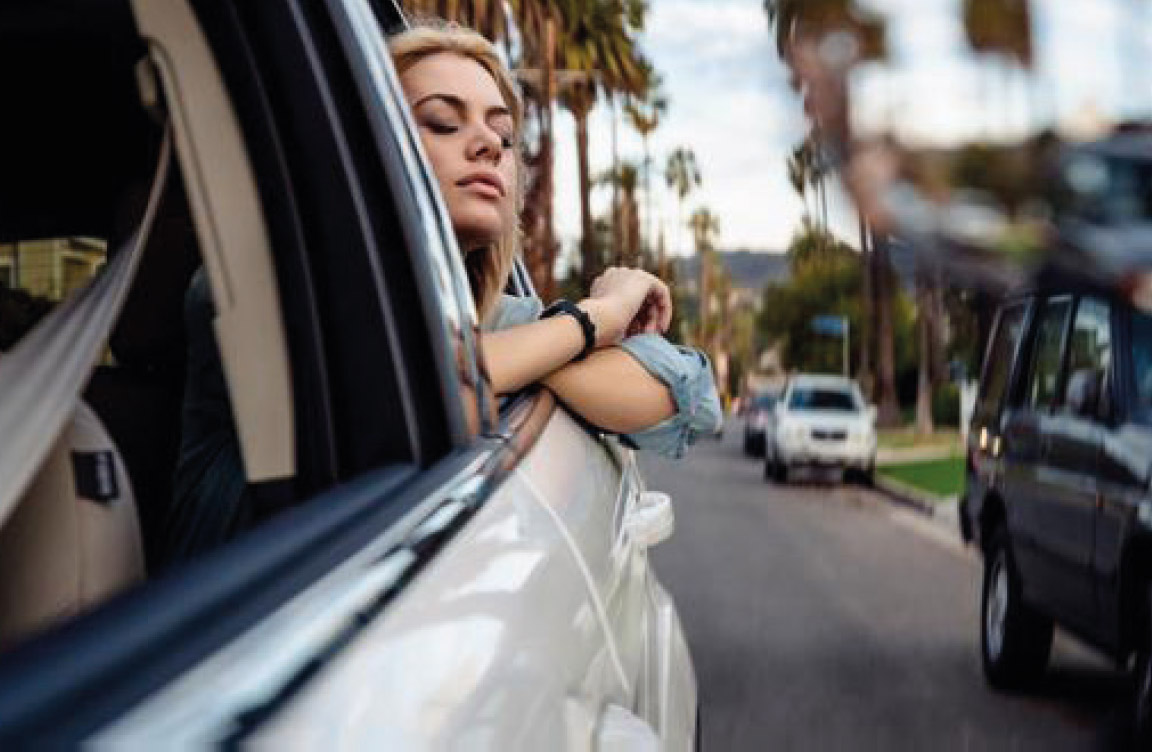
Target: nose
{"type": "Point", "coordinates": [485, 144]}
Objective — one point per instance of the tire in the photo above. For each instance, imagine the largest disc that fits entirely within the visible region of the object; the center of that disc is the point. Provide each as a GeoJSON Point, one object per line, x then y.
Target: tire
{"type": "Point", "coordinates": [748, 445]}
{"type": "Point", "coordinates": [780, 472]}
{"type": "Point", "coordinates": [769, 468]}
{"type": "Point", "coordinates": [1015, 640]}
{"type": "Point", "coordinates": [1141, 704]}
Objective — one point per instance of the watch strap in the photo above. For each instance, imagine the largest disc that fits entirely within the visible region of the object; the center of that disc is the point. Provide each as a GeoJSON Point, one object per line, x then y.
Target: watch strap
{"type": "Point", "coordinates": [568, 308]}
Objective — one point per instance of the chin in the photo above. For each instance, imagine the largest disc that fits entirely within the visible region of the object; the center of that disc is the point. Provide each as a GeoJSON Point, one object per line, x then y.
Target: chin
{"type": "Point", "coordinates": [474, 231]}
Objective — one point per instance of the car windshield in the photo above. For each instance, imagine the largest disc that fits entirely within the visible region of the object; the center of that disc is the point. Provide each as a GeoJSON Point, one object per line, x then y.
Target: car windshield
{"type": "Point", "coordinates": [823, 398]}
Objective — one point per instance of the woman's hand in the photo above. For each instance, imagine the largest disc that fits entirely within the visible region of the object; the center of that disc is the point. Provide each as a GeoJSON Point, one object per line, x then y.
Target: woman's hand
{"type": "Point", "coordinates": [625, 302]}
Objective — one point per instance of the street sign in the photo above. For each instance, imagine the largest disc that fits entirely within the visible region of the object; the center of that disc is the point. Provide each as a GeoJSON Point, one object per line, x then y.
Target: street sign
{"type": "Point", "coordinates": [833, 326]}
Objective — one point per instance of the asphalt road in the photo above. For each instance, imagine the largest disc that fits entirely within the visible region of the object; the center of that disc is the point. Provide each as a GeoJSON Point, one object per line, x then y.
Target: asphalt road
{"type": "Point", "coordinates": [821, 617]}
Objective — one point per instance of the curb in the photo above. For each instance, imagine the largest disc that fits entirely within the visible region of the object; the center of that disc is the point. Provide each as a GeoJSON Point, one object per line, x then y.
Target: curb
{"type": "Point", "coordinates": [912, 498]}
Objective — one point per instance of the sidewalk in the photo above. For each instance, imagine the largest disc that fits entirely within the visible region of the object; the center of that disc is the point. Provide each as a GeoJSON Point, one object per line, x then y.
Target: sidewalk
{"type": "Point", "coordinates": [891, 456]}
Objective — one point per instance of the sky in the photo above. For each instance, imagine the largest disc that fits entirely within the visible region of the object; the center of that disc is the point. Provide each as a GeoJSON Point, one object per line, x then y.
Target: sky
{"type": "Point", "coordinates": [731, 104]}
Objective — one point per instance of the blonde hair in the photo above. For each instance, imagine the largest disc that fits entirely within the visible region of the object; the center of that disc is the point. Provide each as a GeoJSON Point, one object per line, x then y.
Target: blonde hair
{"type": "Point", "coordinates": [488, 268]}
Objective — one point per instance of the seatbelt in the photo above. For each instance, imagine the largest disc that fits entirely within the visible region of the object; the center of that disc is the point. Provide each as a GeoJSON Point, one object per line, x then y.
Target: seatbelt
{"type": "Point", "coordinates": [43, 376]}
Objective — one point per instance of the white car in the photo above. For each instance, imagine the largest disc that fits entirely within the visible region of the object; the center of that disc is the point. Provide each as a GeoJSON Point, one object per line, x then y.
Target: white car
{"type": "Point", "coordinates": [821, 422]}
{"type": "Point", "coordinates": [421, 569]}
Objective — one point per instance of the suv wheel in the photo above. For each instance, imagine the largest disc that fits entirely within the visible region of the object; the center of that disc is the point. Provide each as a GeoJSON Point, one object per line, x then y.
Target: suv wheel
{"type": "Point", "coordinates": [1014, 640]}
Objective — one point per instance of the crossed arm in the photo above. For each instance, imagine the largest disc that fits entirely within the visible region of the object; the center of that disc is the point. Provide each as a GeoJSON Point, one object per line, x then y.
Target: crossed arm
{"type": "Point", "coordinates": [610, 389]}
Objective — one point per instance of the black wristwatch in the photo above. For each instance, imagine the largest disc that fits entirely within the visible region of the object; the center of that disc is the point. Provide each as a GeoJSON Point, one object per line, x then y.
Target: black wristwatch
{"type": "Point", "coordinates": [571, 309]}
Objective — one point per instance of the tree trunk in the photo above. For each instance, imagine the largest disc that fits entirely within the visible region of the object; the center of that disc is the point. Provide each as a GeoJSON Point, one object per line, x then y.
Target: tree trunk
{"type": "Point", "coordinates": [548, 236]}
{"type": "Point", "coordinates": [589, 264]}
{"type": "Point", "coordinates": [924, 424]}
{"type": "Point", "coordinates": [884, 284]}
{"type": "Point", "coordinates": [865, 335]}
{"type": "Point", "coordinates": [617, 254]}
{"type": "Point", "coordinates": [647, 243]}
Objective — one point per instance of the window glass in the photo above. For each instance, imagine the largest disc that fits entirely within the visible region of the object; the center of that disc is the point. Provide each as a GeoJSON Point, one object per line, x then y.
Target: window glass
{"type": "Point", "coordinates": [1090, 348]}
{"type": "Point", "coordinates": [1000, 357]}
{"type": "Point", "coordinates": [35, 275]}
{"type": "Point", "coordinates": [1142, 362]}
{"type": "Point", "coordinates": [1042, 385]}
{"type": "Point", "coordinates": [809, 398]}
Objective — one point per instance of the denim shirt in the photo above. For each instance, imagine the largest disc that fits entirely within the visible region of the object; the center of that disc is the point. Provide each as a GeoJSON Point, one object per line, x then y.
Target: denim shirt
{"type": "Point", "coordinates": [685, 371]}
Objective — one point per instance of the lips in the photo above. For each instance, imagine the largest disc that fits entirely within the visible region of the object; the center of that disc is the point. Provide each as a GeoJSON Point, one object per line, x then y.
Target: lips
{"type": "Point", "coordinates": [487, 183]}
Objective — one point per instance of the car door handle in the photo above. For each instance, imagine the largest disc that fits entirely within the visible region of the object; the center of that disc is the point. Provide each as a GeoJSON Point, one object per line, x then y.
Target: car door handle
{"type": "Point", "coordinates": [651, 519]}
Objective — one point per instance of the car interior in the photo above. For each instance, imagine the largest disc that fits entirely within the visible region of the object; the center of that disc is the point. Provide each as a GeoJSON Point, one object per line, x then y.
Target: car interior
{"type": "Point", "coordinates": [80, 158]}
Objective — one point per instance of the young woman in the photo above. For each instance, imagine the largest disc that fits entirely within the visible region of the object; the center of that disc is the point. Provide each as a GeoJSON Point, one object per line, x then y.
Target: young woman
{"type": "Point", "coordinates": [603, 356]}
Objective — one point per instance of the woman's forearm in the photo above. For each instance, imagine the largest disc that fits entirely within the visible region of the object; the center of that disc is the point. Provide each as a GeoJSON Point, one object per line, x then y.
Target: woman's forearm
{"type": "Point", "coordinates": [611, 390]}
{"type": "Point", "coordinates": [525, 354]}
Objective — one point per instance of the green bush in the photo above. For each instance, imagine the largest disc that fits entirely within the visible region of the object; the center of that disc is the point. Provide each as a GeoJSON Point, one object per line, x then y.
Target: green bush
{"type": "Point", "coordinates": [946, 405]}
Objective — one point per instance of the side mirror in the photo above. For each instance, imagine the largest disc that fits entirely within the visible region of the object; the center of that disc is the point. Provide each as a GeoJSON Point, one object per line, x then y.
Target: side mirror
{"type": "Point", "coordinates": [651, 520]}
{"type": "Point", "coordinates": [1083, 395]}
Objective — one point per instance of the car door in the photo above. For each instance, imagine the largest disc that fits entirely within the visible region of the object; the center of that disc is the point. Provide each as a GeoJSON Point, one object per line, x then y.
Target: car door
{"type": "Point", "coordinates": [1124, 472]}
{"type": "Point", "coordinates": [1029, 482]}
{"type": "Point", "coordinates": [1068, 506]}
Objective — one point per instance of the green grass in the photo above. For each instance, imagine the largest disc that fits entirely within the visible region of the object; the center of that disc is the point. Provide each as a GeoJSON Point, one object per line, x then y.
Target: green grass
{"type": "Point", "coordinates": [937, 477]}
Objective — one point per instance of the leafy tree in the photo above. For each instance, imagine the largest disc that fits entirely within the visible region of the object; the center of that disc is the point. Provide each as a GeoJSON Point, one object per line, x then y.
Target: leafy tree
{"type": "Point", "coordinates": [827, 280]}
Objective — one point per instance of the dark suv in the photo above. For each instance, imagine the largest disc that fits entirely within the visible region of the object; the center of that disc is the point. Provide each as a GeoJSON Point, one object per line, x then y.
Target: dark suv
{"type": "Point", "coordinates": [1058, 493]}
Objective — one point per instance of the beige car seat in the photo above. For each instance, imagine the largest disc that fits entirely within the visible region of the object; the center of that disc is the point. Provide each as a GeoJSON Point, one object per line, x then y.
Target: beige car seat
{"type": "Point", "coordinates": [74, 539]}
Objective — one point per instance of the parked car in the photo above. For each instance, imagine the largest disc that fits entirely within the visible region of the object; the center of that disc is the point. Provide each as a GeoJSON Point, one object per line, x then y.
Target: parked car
{"type": "Point", "coordinates": [758, 416]}
{"type": "Point", "coordinates": [821, 422]}
{"type": "Point", "coordinates": [1058, 468]}
{"type": "Point", "coordinates": [421, 570]}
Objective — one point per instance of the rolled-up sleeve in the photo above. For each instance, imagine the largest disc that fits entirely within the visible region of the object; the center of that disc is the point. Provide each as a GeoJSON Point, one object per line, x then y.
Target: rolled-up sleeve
{"type": "Point", "coordinates": [688, 375]}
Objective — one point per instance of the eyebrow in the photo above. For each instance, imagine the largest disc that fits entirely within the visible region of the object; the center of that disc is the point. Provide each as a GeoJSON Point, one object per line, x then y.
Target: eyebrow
{"type": "Point", "coordinates": [459, 104]}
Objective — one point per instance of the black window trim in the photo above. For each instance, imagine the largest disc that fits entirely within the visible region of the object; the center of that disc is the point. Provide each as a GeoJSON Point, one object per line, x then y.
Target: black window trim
{"type": "Point", "coordinates": [1033, 344]}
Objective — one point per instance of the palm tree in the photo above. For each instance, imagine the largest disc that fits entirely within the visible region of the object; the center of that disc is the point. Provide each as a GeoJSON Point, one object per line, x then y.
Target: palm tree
{"type": "Point", "coordinates": [597, 45]}
{"type": "Point", "coordinates": [624, 180]}
{"type": "Point", "coordinates": [539, 24]}
{"type": "Point", "coordinates": [485, 16]}
{"type": "Point", "coordinates": [1000, 29]}
{"type": "Point", "coordinates": [807, 22]}
{"type": "Point", "coordinates": [683, 177]}
{"type": "Point", "coordinates": [705, 227]}
{"type": "Point", "coordinates": [645, 113]}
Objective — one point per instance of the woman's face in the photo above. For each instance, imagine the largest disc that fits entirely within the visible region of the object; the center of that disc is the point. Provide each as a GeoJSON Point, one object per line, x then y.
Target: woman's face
{"type": "Point", "coordinates": [468, 134]}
